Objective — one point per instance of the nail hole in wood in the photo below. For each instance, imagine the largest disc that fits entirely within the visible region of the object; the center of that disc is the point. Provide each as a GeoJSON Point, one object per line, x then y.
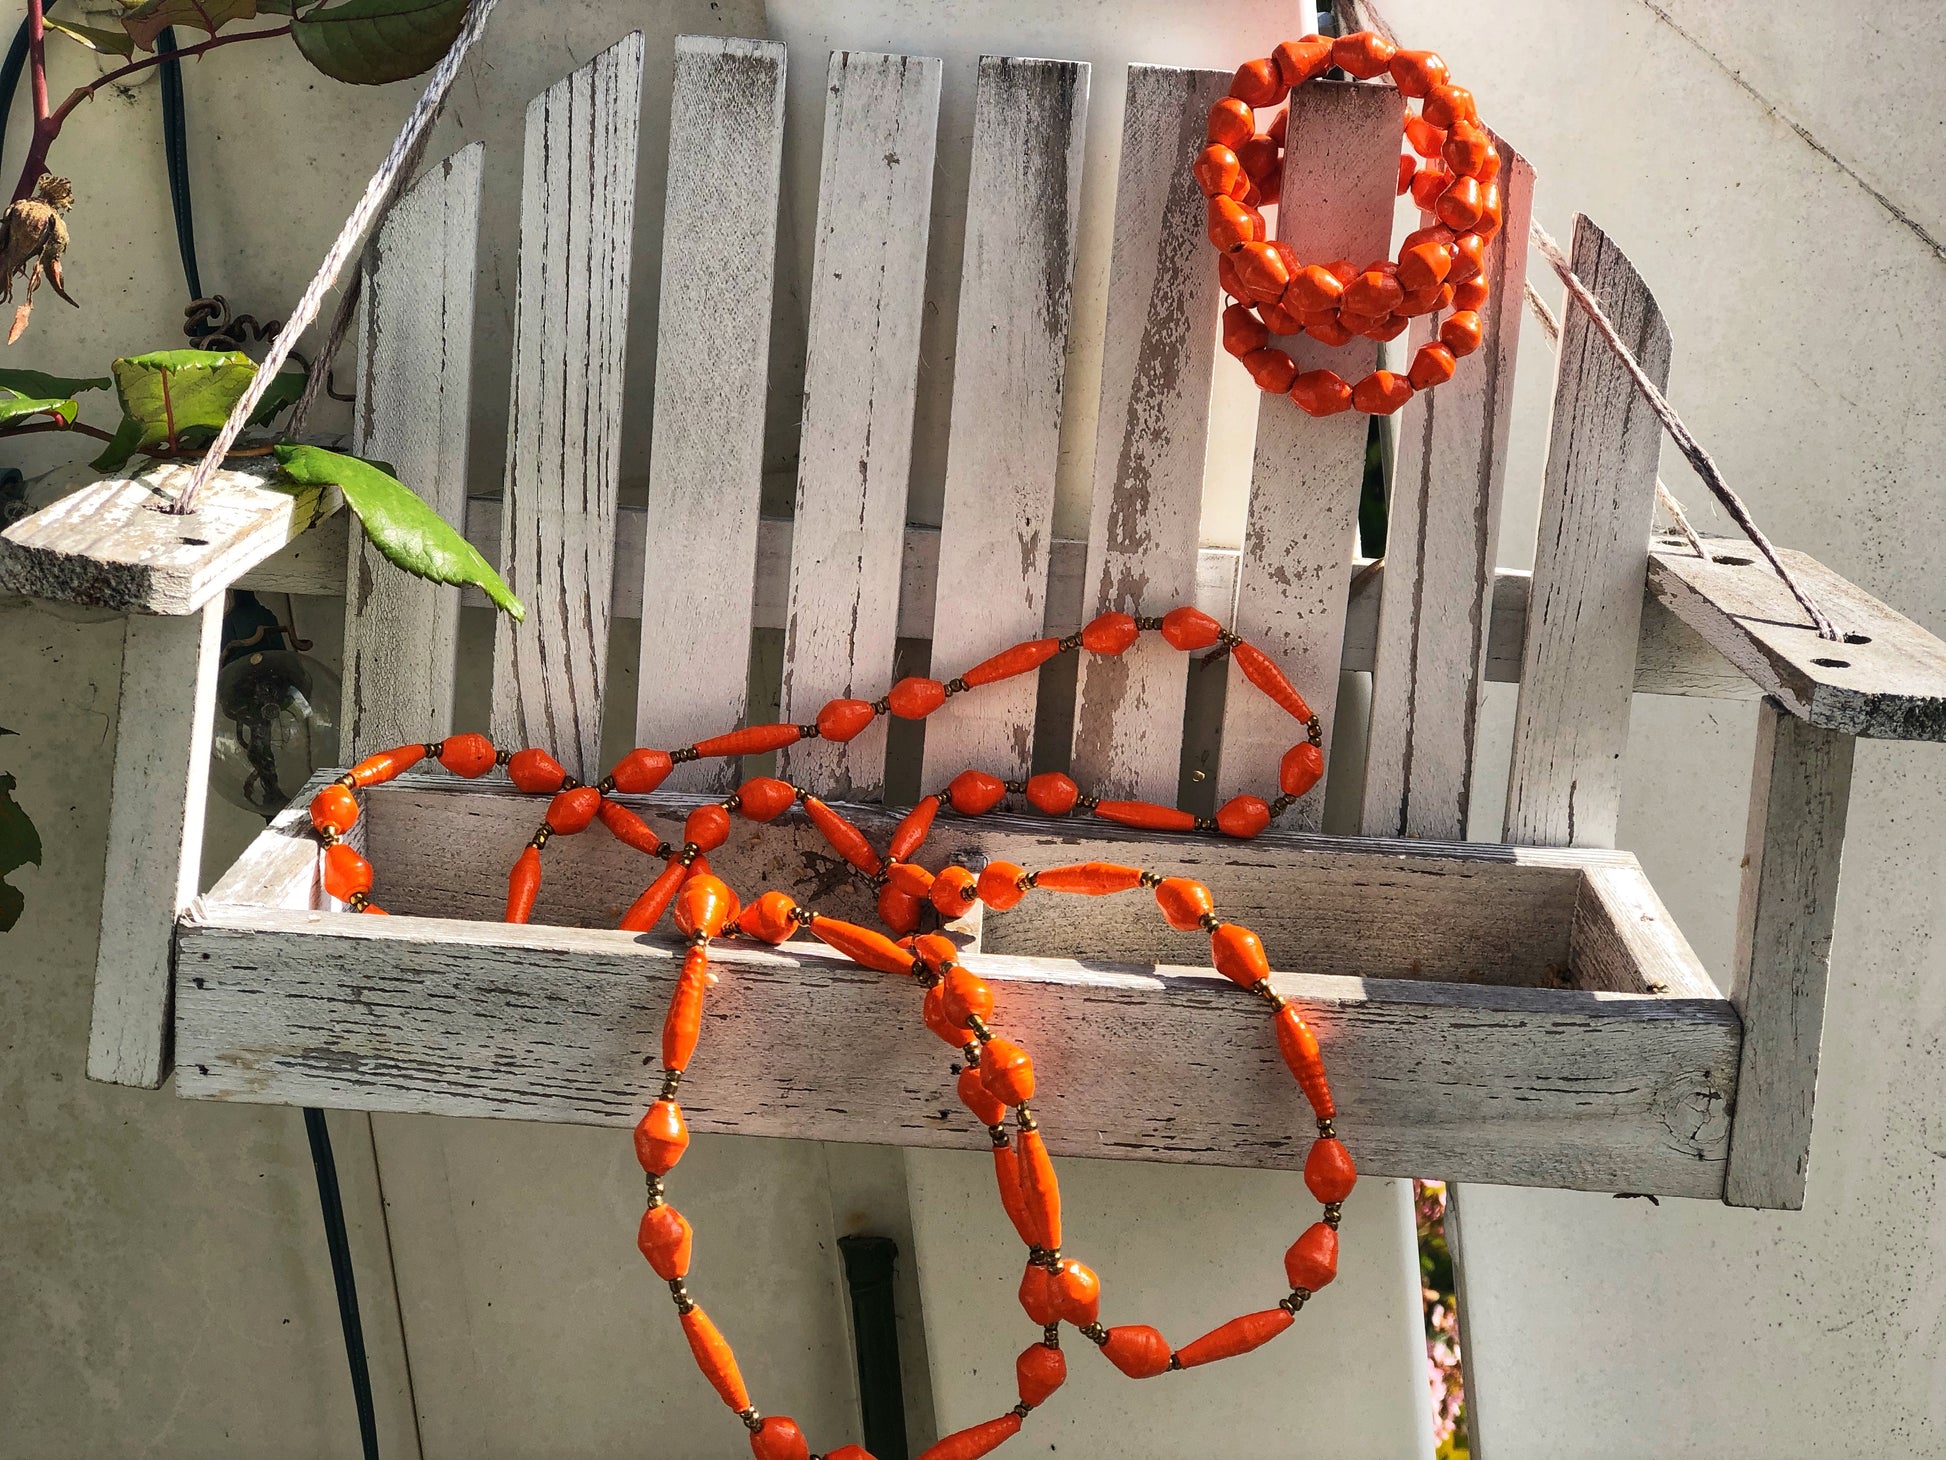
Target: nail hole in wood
{"type": "Point", "coordinates": [1833, 663]}
{"type": "Point", "coordinates": [1731, 562]}
{"type": "Point", "coordinates": [1858, 638]}
{"type": "Point", "coordinates": [195, 542]}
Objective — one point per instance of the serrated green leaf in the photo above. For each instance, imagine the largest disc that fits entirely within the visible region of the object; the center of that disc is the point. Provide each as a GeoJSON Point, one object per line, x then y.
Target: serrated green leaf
{"type": "Point", "coordinates": [371, 42]}
{"type": "Point", "coordinates": [108, 42]}
{"type": "Point", "coordinates": [171, 392]}
{"type": "Point", "coordinates": [15, 407]}
{"type": "Point", "coordinates": [284, 390]}
{"type": "Point", "coordinates": [20, 844]}
{"type": "Point", "coordinates": [115, 455]}
{"type": "Point", "coordinates": [148, 20]}
{"type": "Point", "coordinates": [39, 382]}
{"type": "Point", "coordinates": [402, 527]}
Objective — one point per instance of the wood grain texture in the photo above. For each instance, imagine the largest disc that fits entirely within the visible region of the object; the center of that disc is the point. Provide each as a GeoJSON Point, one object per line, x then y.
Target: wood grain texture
{"type": "Point", "coordinates": [1023, 201]}
{"type": "Point", "coordinates": [1887, 679]}
{"type": "Point", "coordinates": [1591, 555]}
{"type": "Point", "coordinates": [557, 532]}
{"type": "Point", "coordinates": [861, 379]}
{"type": "Point", "coordinates": [109, 544]}
{"type": "Point", "coordinates": [1442, 537]}
{"type": "Point", "coordinates": [1800, 790]}
{"type": "Point", "coordinates": [1151, 436]}
{"type": "Point", "coordinates": [415, 384]}
{"type": "Point", "coordinates": [1339, 171]}
{"type": "Point", "coordinates": [719, 230]}
{"type": "Point", "coordinates": [557, 1024]}
{"type": "Point", "coordinates": [155, 837]}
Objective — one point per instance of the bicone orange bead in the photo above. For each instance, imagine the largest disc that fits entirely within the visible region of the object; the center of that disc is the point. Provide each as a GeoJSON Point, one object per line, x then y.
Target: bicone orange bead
{"type": "Point", "coordinates": [1262, 671]}
{"type": "Point", "coordinates": [1299, 1047]}
{"type": "Point", "coordinates": [1466, 148]}
{"type": "Point", "coordinates": [1312, 1261]}
{"type": "Point", "coordinates": [1023, 657]}
{"type": "Point", "coordinates": [765, 798]}
{"type": "Point", "coordinates": [1184, 903]}
{"type": "Point", "coordinates": [1458, 207]}
{"type": "Point", "coordinates": [913, 828]}
{"type": "Point", "coordinates": [1243, 333]}
{"type": "Point", "coordinates": [973, 793]}
{"type": "Point", "coordinates": [915, 697]}
{"type": "Point", "coordinates": [1407, 170]}
{"type": "Point", "coordinates": [1424, 265]}
{"type": "Point", "coordinates": [1490, 169]}
{"type": "Point", "coordinates": [1006, 1179]}
{"type": "Point", "coordinates": [1280, 321]}
{"type": "Point", "coordinates": [1447, 104]}
{"type": "Point", "coordinates": [932, 1009]}
{"type": "Point", "coordinates": [661, 1136]}
{"type": "Point", "coordinates": [1113, 633]}
{"type": "Point", "coordinates": [1052, 793]}
{"type": "Point", "coordinates": [628, 828]}
{"type": "Point", "coordinates": [1461, 333]}
{"type": "Point", "coordinates": [1077, 1293]}
{"type": "Point", "coordinates": [1492, 210]}
{"type": "Point", "coordinates": [1373, 294]}
{"type": "Point", "coordinates": [1326, 330]}
{"type": "Point", "coordinates": [965, 996]}
{"type": "Point", "coordinates": [1422, 136]}
{"type": "Point", "coordinates": [1145, 814]}
{"type": "Point", "coordinates": [1230, 227]}
{"type": "Point", "coordinates": [683, 1024]}
{"type": "Point", "coordinates": [1238, 954]}
{"type": "Point", "coordinates": [1416, 73]}
{"type": "Point", "coordinates": [334, 809]}
{"type": "Point", "coordinates": [1263, 271]}
{"type": "Point", "coordinates": [1231, 123]}
{"type": "Point", "coordinates": [1303, 60]}
{"type": "Point", "coordinates": [714, 1358]}
{"type": "Point", "coordinates": [1273, 370]}
{"type": "Point", "coordinates": [1218, 172]}
{"type": "Point", "coordinates": [1040, 1191]}
{"type": "Point", "coordinates": [1313, 288]}
{"type": "Point", "coordinates": [1006, 1070]}
{"type": "Point", "coordinates": [1257, 83]}
{"type": "Point", "coordinates": [1036, 1291]}
{"type": "Point", "coordinates": [1469, 258]}
{"type": "Point", "coordinates": [1038, 1372]}
{"type": "Point", "coordinates": [1363, 54]}
{"type": "Point", "coordinates": [779, 1438]}
{"type": "Point", "coordinates": [535, 771]}
{"type": "Point", "coordinates": [953, 891]}
{"type": "Point", "coordinates": [986, 1107]}
{"type": "Point", "coordinates": [571, 811]}
{"type": "Point", "coordinates": [899, 910]}
{"type": "Point", "coordinates": [1243, 817]}
{"type": "Point", "coordinates": [346, 873]}
{"type": "Point", "coordinates": [1259, 157]}
{"type": "Point", "coordinates": [1381, 393]}
{"type": "Point", "coordinates": [1433, 365]}
{"type": "Point", "coordinates": [1093, 879]}
{"type": "Point", "coordinates": [375, 770]}
{"type": "Point", "coordinates": [1189, 628]}
{"type": "Point", "coordinates": [842, 720]}
{"type": "Point", "coordinates": [641, 771]}
{"type": "Point", "coordinates": [648, 909]}
{"type": "Point", "coordinates": [999, 885]}
{"type": "Point", "coordinates": [1321, 393]}
{"type": "Point", "coordinates": [1328, 1170]}
{"type": "Point", "coordinates": [847, 840]}
{"type": "Point", "coordinates": [704, 906]}
{"type": "Point", "coordinates": [1426, 301]}
{"type": "Point", "coordinates": [1301, 768]}
{"type": "Point", "coordinates": [909, 878]}
{"type": "Point", "coordinates": [1428, 184]}
{"type": "Point", "coordinates": [769, 918]}
{"type": "Point", "coordinates": [467, 755]}
{"type": "Point", "coordinates": [975, 1440]}
{"type": "Point", "coordinates": [1226, 276]}
{"type": "Point", "coordinates": [1238, 1336]}
{"type": "Point", "coordinates": [1137, 1350]}
{"type": "Point", "coordinates": [1471, 295]}
{"type": "Point", "coordinates": [665, 1239]}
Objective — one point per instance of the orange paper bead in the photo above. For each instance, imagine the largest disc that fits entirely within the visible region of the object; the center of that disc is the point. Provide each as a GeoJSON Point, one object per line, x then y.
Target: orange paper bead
{"type": "Point", "coordinates": [704, 906]}
{"type": "Point", "coordinates": [334, 809]}
{"type": "Point", "coordinates": [1006, 1070]}
{"type": "Point", "coordinates": [1461, 333]}
{"type": "Point", "coordinates": [641, 771]}
{"type": "Point", "coordinates": [1312, 1261]}
{"type": "Point", "coordinates": [1184, 903]}
{"type": "Point", "coordinates": [1373, 294]}
{"type": "Point", "coordinates": [683, 1024]}
{"type": "Point", "coordinates": [1052, 793]}
{"type": "Point", "coordinates": [910, 878]}
{"type": "Point", "coordinates": [1238, 954]}
{"type": "Point", "coordinates": [1466, 147]}
{"type": "Point", "coordinates": [1422, 136]}
{"type": "Point", "coordinates": [933, 1010]}
{"type": "Point", "coordinates": [1137, 1350]}
{"type": "Point", "coordinates": [665, 1239]}
{"type": "Point", "coordinates": [1009, 662]}
{"type": "Point", "coordinates": [1363, 54]}
{"type": "Point", "coordinates": [751, 740]}
{"type": "Point", "coordinates": [1407, 169]}
{"type": "Point", "coordinates": [986, 1107]}
{"type": "Point", "coordinates": [1303, 60]}
{"type": "Point", "coordinates": [1042, 1195]}
{"type": "Point", "coordinates": [1094, 879]}
{"type": "Point", "coordinates": [974, 793]}
{"type": "Point", "coordinates": [1257, 83]}
{"type": "Point", "coordinates": [975, 1440]}
{"type": "Point", "coordinates": [1458, 207]}
{"type": "Point", "coordinates": [912, 830]}
{"type": "Point", "coordinates": [765, 798]}
{"type": "Point", "coordinates": [1189, 628]}
{"type": "Point", "coordinates": [999, 885]}
{"type": "Point", "coordinates": [467, 755]}
{"type": "Point", "coordinates": [1036, 1291]}
{"type": "Point", "coordinates": [1299, 1047]}
{"type": "Point", "coordinates": [628, 828]}
{"type": "Point", "coordinates": [661, 1136]}
{"type": "Point", "coordinates": [1238, 1336]}
{"type": "Point", "coordinates": [1145, 814]}
{"type": "Point", "coordinates": [1446, 104]}
{"type": "Point", "coordinates": [1381, 393]}
{"type": "Point", "coordinates": [1006, 1180]}
{"type": "Point", "coordinates": [846, 840]}
{"type": "Point", "coordinates": [953, 891]}
{"type": "Point", "coordinates": [1231, 123]}
{"type": "Point", "coordinates": [346, 873]}
{"type": "Point", "coordinates": [1263, 272]}
{"type": "Point", "coordinates": [862, 945]}
{"type": "Point", "coordinates": [842, 720]}
{"type": "Point", "coordinates": [535, 771]}
{"type": "Point", "coordinates": [1328, 1170]}
{"type": "Point", "coordinates": [1231, 226]}
{"type": "Point", "coordinates": [1077, 1293]}
{"type": "Point", "coordinates": [647, 909]}
{"type": "Point", "coordinates": [1425, 265]}
{"type": "Point", "coordinates": [1262, 671]}
{"type": "Point", "coordinates": [769, 918]}
{"type": "Point", "coordinates": [714, 1358]}
{"type": "Point", "coordinates": [915, 697]}
{"type": "Point", "coordinates": [965, 996]}
{"type": "Point", "coordinates": [1321, 393]}
{"type": "Point", "coordinates": [1428, 184]}
{"type": "Point", "coordinates": [1259, 156]}
{"type": "Point", "coordinates": [523, 885]}
{"type": "Point", "coordinates": [899, 910]}
{"type": "Point", "coordinates": [1273, 370]}
{"type": "Point", "coordinates": [1433, 365]}
{"type": "Point", "coordinates": [1243, 817]}
{"type": "Point", "coordinates": [1114, 633]}
{"type": "Point", "coordinates": [1038, 1372]}
{"type": "Point", "coordinates": [1416, 73]}
{"type": "Point", "coordinates": [779, 1438]}
{"type": "Point", "coordinates": [1312, 288]}
{"type": "Point", "coordinates": [571, 811]}
{"type": "Point", "coordinates": [1301, 768]}
{"type": "Point", "coordinates": [375, 770]}
{"type": "Point", "coordinates": [1218, 172]}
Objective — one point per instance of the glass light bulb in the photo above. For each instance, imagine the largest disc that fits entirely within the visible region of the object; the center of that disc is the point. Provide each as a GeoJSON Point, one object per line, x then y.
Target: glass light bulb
{"type": "Point", "coordinates": [276, 723]}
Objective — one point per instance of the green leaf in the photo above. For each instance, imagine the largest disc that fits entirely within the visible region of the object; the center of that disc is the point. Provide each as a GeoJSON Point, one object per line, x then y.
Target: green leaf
{"type": "Point", "coordinates": [108, 42]}
{"type": "Point", "coordinates": [20, 844]}
{"type": "Point", "coordinates": [284, 390]}
{"type": "Point", "coordinates": [148, 20]}
{"type": "Point", "coordinates": [114, 456]}
{"type": "Point", "coordinates": [39, 382]}
{"type": "Point", "coordinates": [173, 391]}
{"type": "Point", "coordinates": [371, 42]}
{"type": "Point", "coordinates": [15, 407]}
{"type": "Point", "coordinates": [400, 525]}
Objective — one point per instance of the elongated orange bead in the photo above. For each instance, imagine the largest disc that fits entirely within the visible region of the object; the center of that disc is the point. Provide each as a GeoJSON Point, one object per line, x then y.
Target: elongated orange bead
{"type": "Point", "coordinates": [346, 873]}
{"type": "Point", "coordinates": [862, 945]}
{"type": "Point", "coordinates": [843, 720]}
{"type": "Point", "coordinates": [641, 771]}
{"type": "Point", "coordinates": [1038, 1188]}
{"type": "Point", "coordinates": [914, 828]}
{"type": "Point", "coordinates": [965, 997]}
{"type": "Point", "coordinates": [661, 1136]}
{"type": "Point", "coordinates": [628, 828]}
{"type": "Point", "coordinates": [1184, 903]}
{"type": "Point", "coordinates": [1301, 768]}
{"type": "Point", "coordinates": [571, 811]}
{"type": "Point", "coordinates": [1110, 633]}
{"type": "Point", "coordinates": [910, 878]}
{"type": "Point", "coordinates": [973, 793]}
{"type": "Point", "coordinates": [1243, 817]}
{"type": "Point", "coordinates": [707, 827]}
{"type": "Point", "coordinates": [779, 1438]}
{"type": "Point", "coordinates": [1145, 814]}
{"type": "Point", "coordinates": [847, 840]}
{"type": "Point", "coordinates": [1095, 879]}
{"type": "Point", "coordinates": [933, 1010]}
{"type": "Point", "coordinates": [523, 885]}
{"type": "Point", "coordinates": [1052, 793]}
{"type": "Point", "coordinates": [683, 1024]}
{"type": "Point", "coordinates": [915, 697]}
{"type": "Point", "coordinates": [334, 809]}
{"type": "Point", "coordinates": [953, 891]}
{"type": "Point", "coordinates": [665, 1239]}
{"type": "Point", "coordinates": [469, 755]}
{"type": "Point", "coordinates": [1036, 1294]}
{"type": "Point", "coordinates": [375, 770]}
{"type": "Point", "coordinates": [974, 1441]}
{"type": "Point", "coordinates": [999, 885]}
{"type": "Point", "coordinates": [751, 740]}
{"type": "Point", "coordinates": [769, 917]}
{"type": "Point", "coordinates": [1137, 1350]}
{"type": "Point", "coordinates": [1238, 1336]}
{"type": "Point", "coordinates": [1262, 671]}
{"type": "Point", "coordinates": [765, 798]}
{"type": "Point", "coordinates": [1006, 1177]}
{"type": "Point", "coordinates": [1328, 1170]}
{"type": "Point", "coordinates": [714, 1358]}
{"type": "Point", "coordinates": [535, 771]}
{"type": "Point", "coordinates": [1031, 654]}
{"type": "Point", "coordinates": [1006, 1070]}
{"type": "Point", "coordinates": [1190, 628]}
{"type": "Point", "coordinates": [1312, 1260]}
{"type": "Point", "coordinates": [1238, 954]}
{"type": "Point", "coordinates": [1422, 136]}
{"type": "Point", "coordinates": [935, 950]}
{"type": "Point", "coordinates": [647, 910]}
{"type": "Point", "coordinates": [985, 1106]}
{"type": "Point", "coordinates": [1038, 1372]}
{"type": "Point", "coordinates": [1299, 1046]}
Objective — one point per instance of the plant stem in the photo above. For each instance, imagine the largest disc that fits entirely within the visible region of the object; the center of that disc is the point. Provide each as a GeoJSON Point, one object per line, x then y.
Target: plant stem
{"type": "Point", "coordinates": [82, 427]}
{"type": "Point", "coordinates": [47, 126]}
{"type": "Point", "coordinates": [37, 58]}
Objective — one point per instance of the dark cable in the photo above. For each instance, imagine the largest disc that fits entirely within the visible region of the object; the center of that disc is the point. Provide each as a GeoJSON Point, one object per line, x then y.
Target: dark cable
{"type": "Point", "coordinates": [341, 1277]}
{"type": "Point", "coordinates": [175, 152]}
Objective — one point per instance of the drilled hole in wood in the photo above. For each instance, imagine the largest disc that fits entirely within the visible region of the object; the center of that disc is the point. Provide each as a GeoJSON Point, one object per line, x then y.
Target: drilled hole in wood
{"type": "Point", "coordinates": [1833, 663]}
{"type": "Point", "coordinates": [195, 542]}
{"type": "Point", "coordinates": [1731, 562]}
{"type": "Point", "coordinates": [1858, 638]}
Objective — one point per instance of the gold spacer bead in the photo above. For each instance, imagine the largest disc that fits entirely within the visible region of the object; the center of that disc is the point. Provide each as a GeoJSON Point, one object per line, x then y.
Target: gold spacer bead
{"type": "Point", "coordinates": [1150, 879]}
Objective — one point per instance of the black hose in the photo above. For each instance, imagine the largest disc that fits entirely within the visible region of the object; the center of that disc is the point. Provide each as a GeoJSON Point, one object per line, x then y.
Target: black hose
{"type": "Point", "coordinates": [175, 152]}
{"type": "Point", "coordinates": [333, 1206]}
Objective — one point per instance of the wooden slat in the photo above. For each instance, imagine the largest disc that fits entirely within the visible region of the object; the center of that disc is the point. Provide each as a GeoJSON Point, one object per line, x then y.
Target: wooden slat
{"type": "Point", "coordinates": [719, 231]}
{"type": "Point", "coordinates": [1453, 1081]}
{"type": "Point", "coordinates": [108, 544]}
{"type": "Point", "coordinates": [861, 370]}
{"type": "Point", "coordinates": [1442, 536]}
{"type": "Point", "coordinates": [1888, 677]}
{"type": "Point", "coordinates": [155, 837]}
{"type": "Point", "coordinates": [1338, 192]}
{"type": "Point", "coordinates": [1799, 793]}
{"type": "Point", "coordinates": [557, 533]}
{"type": "Point", "coordinates": [414, 389]}
{"type": "Point", "coordinates": [1151, 435]}
{"type": "Point", "coordinates": [1023, 200]}
{"type": "Point", "coordinates": [1571, 725]}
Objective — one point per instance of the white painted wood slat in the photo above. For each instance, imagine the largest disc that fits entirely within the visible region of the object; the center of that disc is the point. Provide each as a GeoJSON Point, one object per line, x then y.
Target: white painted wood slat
{"type": "Point", "coordinates": [557, 532]}
{"type": "Point", "coordinates": [1442, 538]}
{"type": "Point", "coordinates": [1590, 561]}
{"type": "Point", "coordinates": [1338, 192]}
{"type": "Point", "coordinates": [1023, 200]}
{"type": "Point", "coordinates": [861, 370]}
{"type": "Point", "coordinates": [719, 231]}
{"type": "Point", "coordinates": [1152, 434]}
{"type": "Point", "coordinates": [155, 837]}
{"type": "Point", "coordinates": [414, 388]}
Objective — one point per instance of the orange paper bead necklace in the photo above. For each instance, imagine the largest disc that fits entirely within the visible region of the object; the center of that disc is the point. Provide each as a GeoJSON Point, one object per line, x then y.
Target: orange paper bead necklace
{"type": "Point", "coordinates": [996, 1079]}
{"type": "Point", "coordinates": [1439, 267]}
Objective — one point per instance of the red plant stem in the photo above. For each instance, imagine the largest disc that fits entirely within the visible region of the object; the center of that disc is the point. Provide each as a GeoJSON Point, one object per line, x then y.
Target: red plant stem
{"type": "Point", "coordinates": [82, 427]}
{"type": "Point", "coordinates": [47, 126]}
